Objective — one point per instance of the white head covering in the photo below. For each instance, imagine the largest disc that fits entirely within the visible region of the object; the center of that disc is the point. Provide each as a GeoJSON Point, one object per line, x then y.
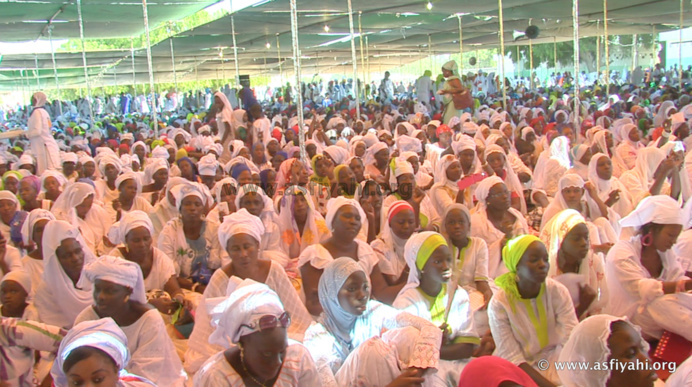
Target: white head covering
{"type": "Point", "coordinates": [239, 314]}
{"type": "Point", "coordinates": [160, 152]}
{"type": "Point", "coordinates": [57, 175]}
{"type": "Point", "coordinates": [103, 334]}
{"type": "Point", "coordinates": [118, 271]}
{"type": "Point", "coordinates": [207, 165]}
{"type": "Point", "coordinates": [408, 144]}
{"type": "Point", "coordinates": [72, 299]}
{"type": "Point", "coordinates": [588, 344]}
{"type": "Point", "coordinates": [74, 195]}
{"type": "Point", "coordinates": [7, 195]}
{"type": "Point", "coordinates": [251, 188]}
{"type": "Point", "coordinates": [129, 221]}
{"type": "Point", "coordinates": [559, 150]}
{"type": "Point", "coordinates": [337, 153]}
{"type": "Point", "coordinates": [441, 173]}
{"type": "Point", "coordinates": [292, 240]}
{"type": "Point", "coordinates": [181, 191]}
{"type": "Point", "coordinates": [30, 221]}
{"type": "Point", "coordinates": [21, 277]}
{"type": "Point", "coordinates": [40, 98]}
{"type": "Point", "coordinates": [372, 150]}
{"type": "Point", "coordinates": [483, 189]}
{"type": "Point", "coordinates": [111, 159]}
{"type": "Point", "coordinates": [240, 222]}
{"type": "Point", "coordinates": [413, 246]}
{"type": "Point", "coordinates": [659, 209]}
{"type": "Point", "coordinates": [129, 176]}
{"type": "Point", "coordinates": [335, 204]}
{"type": "Point", "coordinates": [70, 157]}
{"type": "Point", "coordinates": [153, 165]}
{"type": "Point", "coordinates": [219, 186]}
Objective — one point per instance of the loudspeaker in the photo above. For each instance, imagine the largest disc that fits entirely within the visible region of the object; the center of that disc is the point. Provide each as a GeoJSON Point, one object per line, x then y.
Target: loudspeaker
{"type": "Point", "coordinates": [532, 32]}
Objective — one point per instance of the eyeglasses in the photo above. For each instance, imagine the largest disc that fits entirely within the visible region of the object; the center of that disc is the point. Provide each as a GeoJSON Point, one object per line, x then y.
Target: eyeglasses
{"type": "Point", "coordinates": [499, 194]}
{"type": "Point", "coordinates": [269, 322]}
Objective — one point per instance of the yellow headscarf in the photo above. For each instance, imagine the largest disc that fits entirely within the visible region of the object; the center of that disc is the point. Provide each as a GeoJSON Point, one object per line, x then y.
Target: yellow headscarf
{"type": "Point", "coordinates": [427, 248]}
{"type": "Point", "coordinates": [321, 180]}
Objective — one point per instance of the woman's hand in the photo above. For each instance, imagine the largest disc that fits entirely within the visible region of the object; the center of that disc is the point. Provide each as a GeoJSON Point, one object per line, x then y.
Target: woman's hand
{"type": "Point", "coordinates": [613, 198]}
{"type": "Point", "coordinates": [408, 378]}
{"type": "Point", "coordinates": [590, 188]}
{"type": "Point", "coordinates": [164, 305]}
{"type": "Point", "coordinates": [586, 296]}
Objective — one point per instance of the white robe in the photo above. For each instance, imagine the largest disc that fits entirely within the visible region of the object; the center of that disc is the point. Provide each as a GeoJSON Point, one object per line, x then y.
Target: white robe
{"type": "Point", "coordinates": [162, 269]}
{"type": "Point", "coordinates": [152, 354]}
{"type": "Point", "coordinates": [43, 146]}
{"type": "Point", "coordinates": [482, 228]}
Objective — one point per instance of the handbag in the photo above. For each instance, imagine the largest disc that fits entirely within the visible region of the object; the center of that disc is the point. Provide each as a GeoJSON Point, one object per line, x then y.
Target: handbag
{"type": "Point", "coordinates": [462, 100]}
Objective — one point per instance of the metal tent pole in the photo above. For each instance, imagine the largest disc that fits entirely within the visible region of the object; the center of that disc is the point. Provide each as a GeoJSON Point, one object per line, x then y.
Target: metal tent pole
{"type": "Point", "coordinates": [682, 9]}
{"type": "Point", "coordinates": [502, 57]}
{"type": "Point", "coordinates": [278, 53]}
{"type": "Point", "coordinates": [55, 68]}
{"type": "Point", "coordinates": [84, 61]}
{"type": "Point", "coordinates": [134, 76]}
{"type": "Point", "coordinates": [175, 75]}
{"type": "Point", "coordinates": [235, 53]}
{"type": "Point", "coordinates": [634, 52]}
{"type": "Point", "coordinates": [362, 55]}
{"type": "Point", "coordinates": [598, 49]}
{"type": "Point", "coordinates": [575, 30]}
{"type": "Point", "coordinates": [296, 70]}
{"type": "Point", "coordinates": [354, 59]}
{"type": "Point", "coordinates": [461, 45]}
{"type": "Point", "coordinates": [38, 81]}
{"type": "Point", "coordinates": [605, 42]}
{"type": "Point", "coordinates": [151, 71]}
{"type": "Point", "coordinates": [653, 47]}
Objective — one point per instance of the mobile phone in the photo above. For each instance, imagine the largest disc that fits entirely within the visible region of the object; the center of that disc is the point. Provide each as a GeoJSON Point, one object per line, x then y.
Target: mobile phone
{"type": "Point", "coordinates": [223, 208]}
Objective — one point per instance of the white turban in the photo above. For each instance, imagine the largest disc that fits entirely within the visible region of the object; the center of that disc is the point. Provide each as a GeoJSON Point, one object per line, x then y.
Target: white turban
{"type": "Point", "coordinates": [408, 144]}
{"type": "Point", "coordinates": [337, 153]}
{"type": "Point", "coordinates": [118, 271]}
{"type": "Point", "coordinates": [239, 314]}
{"type": "Point", "coordinates": [153, 165]}
{"type": "Point", "coordinates": [129, 176]}
{"type": "Point", "coordinates": [181, 191]}
{"type": "Point", "coordinates": [30, 221]}
{"type": "Point", "coordinates": [207, 165]}
{"type": "Point", "coordinates": [334, 204]}
{"type": "Point", "coordinates": [240, 222]}
{"type": "Point", "coordinates": [21, 277]}
{"type": "Point", "coordinates": [160, 152]}
{"type": "Point", "coordinates": [127, 223]}
{"type": "Point", "coordinates": [659, 209]}
{"type": "Point", "coordinates": [69, 157]}
{"type": "Point", "coordinates": [111, 159]}
{"type": "Point", "coordinates": [483, 189]}
{"type": "Point", "coordinates": [220, 184]}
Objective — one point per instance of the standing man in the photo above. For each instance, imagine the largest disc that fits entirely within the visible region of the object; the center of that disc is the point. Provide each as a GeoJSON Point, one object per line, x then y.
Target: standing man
{"type": "Point", "coordinates": [43, 145]}
{"type": "Point", "coordinates": [386, 89]}
{"type": "Point", "coordinates": [423, 89]}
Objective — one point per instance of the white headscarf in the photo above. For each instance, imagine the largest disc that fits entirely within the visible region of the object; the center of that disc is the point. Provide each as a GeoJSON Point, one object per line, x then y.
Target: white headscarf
{"type": "Point", "coordinates": [74, 195]}
{"type": "Point", "coordinates": [337, 153]}
{"type": "Point", "coordinates": [71, 299]}
{"type": "Point", "coordinates": [292, 241]}
{"type": "Point", "coordinates": [181, 191]}
{"type": "Point", "coordinates": [207, 165]}
{"type": "Point", "coordinates": [511, 179]}
{"type": "Point", "coordinates": [335, 204]}
{"type": "Point", "coordinates": [659, 209]}
{"type": "Point", "coordinates": [57, 175]}
{"type": "Point", "coordinates": [239, 314]}
{"type": "Point", "coordinates": [413, 246]}
{"type": "Point", "coordinates": [40, 99]}
{"type": "Point", "coordinates": [441, 179]}
{"type": "Point", "coordinates": [220, 184]}
{"type": "Point", "coordinates": [588, 344]}
{"type": "Point", "coordinates": [268, 209]}
{"type": "Point", "coordinates": [103, 334]}
{"type": "Point", "coordinates": [129, 221]}
{"type": "Point", "coordinates": [153, 165]}
{"type": "Point", "coordinates": [111, 159]}
{"type": "Point", "coordinates": [118, 271]}
{"type": "Point", "coordinates": [21, 277]}
{"type": "Point", "coordinates": [372, 150]}
{"type": "Point", "coordinates": [240, 222]}
{"type": "Point", "coordinates": [645, 165]}
{"type": "Point", "coordinates": [483, 189]}
{"type": "Point", "coordinates": [559, 150]}
{"type": "Point", "coordinates": [30, 221]}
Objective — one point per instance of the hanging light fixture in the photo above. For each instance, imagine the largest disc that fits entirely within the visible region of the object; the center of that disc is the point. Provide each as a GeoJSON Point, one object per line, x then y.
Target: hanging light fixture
{"type": "Point", "coordinates": [268, 45]}
{"type": "Point", "coordinates": [429, 6]}
{"type": "Point", "coordinates": [326, 28]}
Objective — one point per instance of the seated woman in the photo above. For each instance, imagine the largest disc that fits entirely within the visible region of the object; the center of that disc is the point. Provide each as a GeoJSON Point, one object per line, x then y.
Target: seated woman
{"type": "Point", "coordinates": [495, 221]}
{"type": "Point", "coordinates": [573, 193]}
{"type": "Point", "coordinates": [546, 177]}
{"type": "Point", "coordinates": [11, 217]}
{"type": "Point", "coordinates": [118, 289]}
{"type": "Point", "coordinates": [390, 246]}
{"type": "Point", "coordinates": [32, 237]}
{"type": "Point", "coordinates": [188, 169]}
{"type": "Point", "coordinates": [58, 297]}
{"type": "Point", "coordinates": [608, 187]}
{"type": "Point", "coordinates": [345, 220]}
{"type": "Point", "coordinates": [52, 185]}
{"type": "Point", "coordinates": [531, 316]}
{"type": "Point", "coordinates": [190, 240]}
{"type": "Point", "coordinates": [370, 196]}
{"type": "Point", "coordinates": [241, 234]}
{"type": "Point", "coordinates": [154, 180]}
{"type": "Point", "coordinates": [567, 238]}
{"type": "Point", "coordinates": [95, 352]}
{"type": "Point", "coordinates": [427, 295]}
{"type": "Point", "coordinates": [605, 339]}
{"type": "Point", "coordinates": [133, 238]}
{"type": "Point", "coordinates": [493, 371]}
{"type": "Point", "coordinates": [300, 224]}
{"type": "Point", "coordinates": [225, 191]}
{"type": "Point", "coordinates": [320, 185]}
{"type": "Point", "coordinates": [252, 198]}
{"type": "Point", "coordinates": [496, 160]}
{"type": "Point", "coordinates": [251, 330]}
{"type": "Point", "coordinates": [347, 343]}
{"type": "Point", "coordinates": [129, 197]}
{"type": "Point", "coordinates": [376, 162]}
{"type": "Point", "coordinates": [406, 188]}
{"type": "Point", "coordinates": [654, 173]}
{"type": "Point", "coordinates": [29, 188]}
{"type": "Point", "coordinates": [445, 191]}
{"type": "Point", "coordinates": [77, 205]}
{"type": "Point", "coordinates": [470, 262]}
{"type": "Point", "coordinates": [10, 181]}
{"type": "Point", "coordinates": [166, 209]}
{"type": "Point", "coordinates": [110, 167]}
{"type": "Point", "coordinates": [291, 172]}
{"type": "Point", "coordinates": [645, 280]}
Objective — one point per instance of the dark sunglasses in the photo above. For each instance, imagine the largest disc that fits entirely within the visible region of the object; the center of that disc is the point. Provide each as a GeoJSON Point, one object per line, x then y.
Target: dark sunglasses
{"type": "Point", "coordinates": [269, 322]}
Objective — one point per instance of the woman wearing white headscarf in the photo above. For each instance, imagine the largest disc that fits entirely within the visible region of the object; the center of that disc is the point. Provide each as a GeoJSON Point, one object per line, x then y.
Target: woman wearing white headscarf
{"type": "Point", "coordinates": [55, 181]}
{"type": "Point", "coordinates": [251, 332]}
{"type": "Point", "coordinates": [130, 197]}
{"type": "Point", "coordinates": [118, 289]}
{"type": "Point", "coordinates": [603, 143]}
{"type": "Point", "coordinates": [445, 191]}
{"type": "Point", "coordinates": [602, 339]}
{"type": "Point", "coordinates": [497, 159]}
{"type": "Point", "coordinates": [31, 236]}
{"type": "Point", "coordinates": [427, 293]}
{"type": "Point", "coordinates": [103, 341]}
{"type": "Point", "coordinates": [574, 263]}
{"type": "Point", "coordinates": [190, 240]}
{"type": "Point", "coordinates": [77, 205]}
{"type": "Point", "coordinates": [495, 221]}
{"type": "Point", "coordinates": [608, 187]}
{"type": "Point", "coordinates": [651, 174]}
{"type": "Point", "coordinates": [225, 191]}
{"type": "Point", "coordinates": [555, 166]}
{"type": "Point", "coordinates": [629, 144]}
{"type": "Point", "coordinates": [166, 209]}
{"type": "Point", "coordinates": [43, 145]}
{"type": "Point", "coordinates": [645, 280]}
{"type": "Point", "coordinates": [580, 155]}
{"type": "Point", "coordinates": [347, 343]}
{"type": "Point", "coordinates": [110, 167]}
{"type": "Point", "coordinates": [238, 229]}
{"type": "Point", "coordinates": [300, 224]}
{"type": "Point", "coordinates": [452, 85]}
{"type": "Point", "coordinates": [58, 297]}
{"type": "Point", "coordinates": [156, 175]}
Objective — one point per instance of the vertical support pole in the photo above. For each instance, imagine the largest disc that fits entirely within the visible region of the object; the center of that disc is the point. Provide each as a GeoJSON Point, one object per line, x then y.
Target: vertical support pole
{"type": "Point", "coordinates": [175, 75]}
{"type": "Point", "coordinates": [235, 53]}
{"type": "Point", "coordinates": [55, 68]}
{"type": "Point", "coordinates": [84, 61]}
{"type": "Point", "coordinates": [151, 72]}
{"type": "Point", "coordinates": [634, 52]}
{"type": "Point", "coordinates": [653, 47]}
{"type": "Point", "coordinates": [682, 9]}
{"type": "Point", "coordinates": [461, 45]}
{"type": "Point", "coordinates": [502, 56]}
{"type": "Point", "coordinates": [367, 60]}
{"type": "Point", "coordinates": [598, 49]}
{"type": "Point", "coordinates": [296, 87]}
{"type": "Point", "coordinates": [531, 62]}
{"type": "Point", "coordinates": [607, 51]}
{"type": "Point", "coordinates": [354, 60]}
{"type": "Point", "coordinates": [555, 53]}
{"type": "Point", "coordinates": [134, 73]}
{"type": "Point", "coordinates": [575, 31]}
{"type": "Point", "coordinates": [38, 80]}
{"type": "Point", "coordinates": [278, 53]}
{"type": "Point", "coordinates": [362, 54]}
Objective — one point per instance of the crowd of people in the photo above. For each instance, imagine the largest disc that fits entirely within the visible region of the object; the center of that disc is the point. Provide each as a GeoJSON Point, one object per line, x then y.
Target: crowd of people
{"type": "Point", "coordinates": [407, 241]}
